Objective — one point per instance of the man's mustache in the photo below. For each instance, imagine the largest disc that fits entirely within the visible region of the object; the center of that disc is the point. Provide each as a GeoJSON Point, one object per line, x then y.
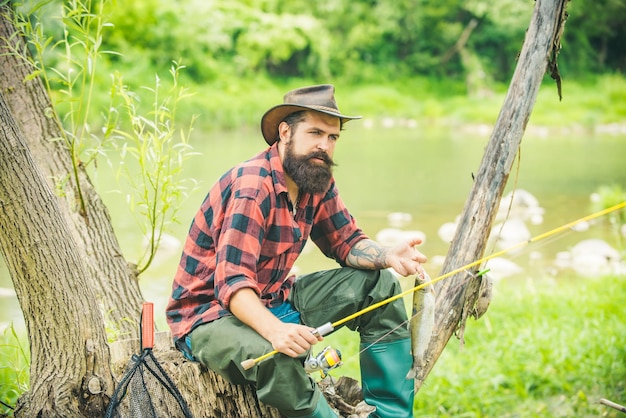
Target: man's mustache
{"type": "Point", "coordinates": [322, 156]}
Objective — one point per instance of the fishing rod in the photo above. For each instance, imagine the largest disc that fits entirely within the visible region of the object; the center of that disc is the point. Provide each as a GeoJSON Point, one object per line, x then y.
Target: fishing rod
{"type": "Point", "coordinates": [329, 327]}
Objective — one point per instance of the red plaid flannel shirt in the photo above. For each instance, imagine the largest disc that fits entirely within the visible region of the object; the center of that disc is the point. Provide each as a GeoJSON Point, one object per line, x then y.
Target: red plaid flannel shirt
{"type": "Point", "coordinates": [246, 236]}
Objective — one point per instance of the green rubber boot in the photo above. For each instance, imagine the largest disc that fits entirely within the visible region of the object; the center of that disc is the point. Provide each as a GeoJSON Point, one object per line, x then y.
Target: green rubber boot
{"type": "Point", "coordinates": [384, 367]}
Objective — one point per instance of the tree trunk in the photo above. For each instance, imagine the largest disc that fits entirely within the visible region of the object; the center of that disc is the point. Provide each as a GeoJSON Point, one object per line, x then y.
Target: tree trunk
{"type": "Point", "coordinates": [69, 356]}
{"type": "Point", "coordinates": [113, 281]}
{"type": "Point", "coordinates": [59, 302]}
{"type": "Point", "coordinates": [458, 294]}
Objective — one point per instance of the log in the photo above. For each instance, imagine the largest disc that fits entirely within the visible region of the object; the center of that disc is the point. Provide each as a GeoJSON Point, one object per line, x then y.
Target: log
{"type": "Point", "coordinates": [208, 395]}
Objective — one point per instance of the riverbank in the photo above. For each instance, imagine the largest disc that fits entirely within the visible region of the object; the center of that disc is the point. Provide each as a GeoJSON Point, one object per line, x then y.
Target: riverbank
{"type": "Point", "coordinates": [597, 104]}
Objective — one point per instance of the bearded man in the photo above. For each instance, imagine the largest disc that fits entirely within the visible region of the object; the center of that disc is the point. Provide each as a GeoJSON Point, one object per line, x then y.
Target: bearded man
{"type": "Point", "coordinates": [234, 299]}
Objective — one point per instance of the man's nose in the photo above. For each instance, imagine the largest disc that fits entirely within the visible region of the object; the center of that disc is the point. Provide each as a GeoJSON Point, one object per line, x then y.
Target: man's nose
{"type": "Point", "coordinates": [324, 144]}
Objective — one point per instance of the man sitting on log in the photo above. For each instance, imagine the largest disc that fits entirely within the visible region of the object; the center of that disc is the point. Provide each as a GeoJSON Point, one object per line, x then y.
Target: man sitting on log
{"type": "Point", "coordinates": [234, 299]}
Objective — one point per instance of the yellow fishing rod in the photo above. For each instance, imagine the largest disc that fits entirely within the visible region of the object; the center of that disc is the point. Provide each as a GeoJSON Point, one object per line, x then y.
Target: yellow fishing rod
{"type": "Point", "coordinates": [329, 327]}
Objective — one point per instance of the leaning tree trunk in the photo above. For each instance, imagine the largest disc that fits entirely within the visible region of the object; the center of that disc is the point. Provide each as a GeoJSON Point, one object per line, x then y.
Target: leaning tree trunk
{"type": "Point", "coordinates": [69, 356]}
{"type": "Point", "coordinates": [457, 294]}
{"type": "Point", "coordinates": [110, 276]}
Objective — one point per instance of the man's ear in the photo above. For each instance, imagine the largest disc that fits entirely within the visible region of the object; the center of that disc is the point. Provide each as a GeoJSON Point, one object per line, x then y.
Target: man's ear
{"type": "Point", "coordinates": [284, 132]}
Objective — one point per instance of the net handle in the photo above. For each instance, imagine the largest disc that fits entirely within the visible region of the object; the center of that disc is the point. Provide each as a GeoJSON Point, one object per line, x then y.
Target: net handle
{"type": "Point", "coordinates": [147, 325]}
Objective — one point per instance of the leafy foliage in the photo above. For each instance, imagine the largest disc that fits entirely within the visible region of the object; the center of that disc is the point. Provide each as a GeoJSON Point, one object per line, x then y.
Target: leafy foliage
{"type": "Point", "coordinates": [68, 62]}
{"type": "Point", "coordinates": [230, 45]}
{"type": "Point", "coordinates": [152, 157]}
{"type": "Point", "coordinates": [356, 39]}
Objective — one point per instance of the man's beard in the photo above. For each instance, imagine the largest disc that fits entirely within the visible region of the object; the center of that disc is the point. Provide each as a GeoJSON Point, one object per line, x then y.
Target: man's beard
{"type": "Point", "coordinates": [311, 177]}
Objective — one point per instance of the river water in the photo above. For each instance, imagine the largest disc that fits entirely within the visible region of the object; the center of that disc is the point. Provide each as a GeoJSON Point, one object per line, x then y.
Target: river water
{"type": "Point", "coordinates": [424, 176]}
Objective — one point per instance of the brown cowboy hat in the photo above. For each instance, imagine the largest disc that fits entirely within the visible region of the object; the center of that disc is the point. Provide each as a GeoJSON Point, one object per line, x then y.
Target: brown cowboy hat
{"type": "Point", "coordinates": [320, 98]}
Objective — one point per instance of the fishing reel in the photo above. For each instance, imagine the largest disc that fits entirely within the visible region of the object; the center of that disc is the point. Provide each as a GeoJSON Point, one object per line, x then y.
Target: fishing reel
{"type": "Point", "coordinates": [326, 360]}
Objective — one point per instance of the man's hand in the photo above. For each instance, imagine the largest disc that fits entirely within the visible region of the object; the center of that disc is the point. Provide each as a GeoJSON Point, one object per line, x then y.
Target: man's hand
{"type": "Point", "coordinates": [405, 259]}
{"type": "Point", "coordinates": [289, 339]}
{"type": "Point", "coordinates": [293, 339]}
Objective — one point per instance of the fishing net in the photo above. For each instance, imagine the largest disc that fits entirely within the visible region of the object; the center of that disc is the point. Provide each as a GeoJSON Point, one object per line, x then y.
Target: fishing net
{"type": "Point", "coordinates": [145, 390]}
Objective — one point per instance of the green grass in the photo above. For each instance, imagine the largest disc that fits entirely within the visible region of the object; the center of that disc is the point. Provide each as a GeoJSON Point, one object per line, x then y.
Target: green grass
{"type": "Point", "coordinates": [14, 364]}
{"type": "Point", "coordinates": [545, 348]}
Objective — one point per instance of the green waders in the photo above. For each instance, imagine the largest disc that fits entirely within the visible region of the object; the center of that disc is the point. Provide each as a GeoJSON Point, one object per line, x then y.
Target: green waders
{"type": "Point", "coordinates": [321, 297]}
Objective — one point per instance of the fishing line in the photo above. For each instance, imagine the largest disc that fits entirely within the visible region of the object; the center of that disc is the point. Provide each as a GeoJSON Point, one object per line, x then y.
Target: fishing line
{"type": "Point", "coordinates": [329, 327]}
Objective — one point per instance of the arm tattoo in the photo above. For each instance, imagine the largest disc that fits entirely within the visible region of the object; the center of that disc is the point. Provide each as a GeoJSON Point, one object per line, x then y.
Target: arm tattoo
{"type": "Point", "coordinates": [367, 254]}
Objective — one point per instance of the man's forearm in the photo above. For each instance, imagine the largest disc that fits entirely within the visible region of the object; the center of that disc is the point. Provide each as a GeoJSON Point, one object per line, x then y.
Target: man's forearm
{"type": "Point", "coordinates": [247, 307]}
{"type": "Point", "coordinates": [287, 338]}
{"type": "Point", "coordinates": [367, 254]}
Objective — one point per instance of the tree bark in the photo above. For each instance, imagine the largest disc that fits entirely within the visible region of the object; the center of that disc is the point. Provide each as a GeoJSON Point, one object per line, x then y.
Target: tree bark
{"type": "Point", "coordinates": [69, 355]}
{"type": "Point", "coordinates": [458, 294]}
{"type": "Point", "coordinates": [110, 276]}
